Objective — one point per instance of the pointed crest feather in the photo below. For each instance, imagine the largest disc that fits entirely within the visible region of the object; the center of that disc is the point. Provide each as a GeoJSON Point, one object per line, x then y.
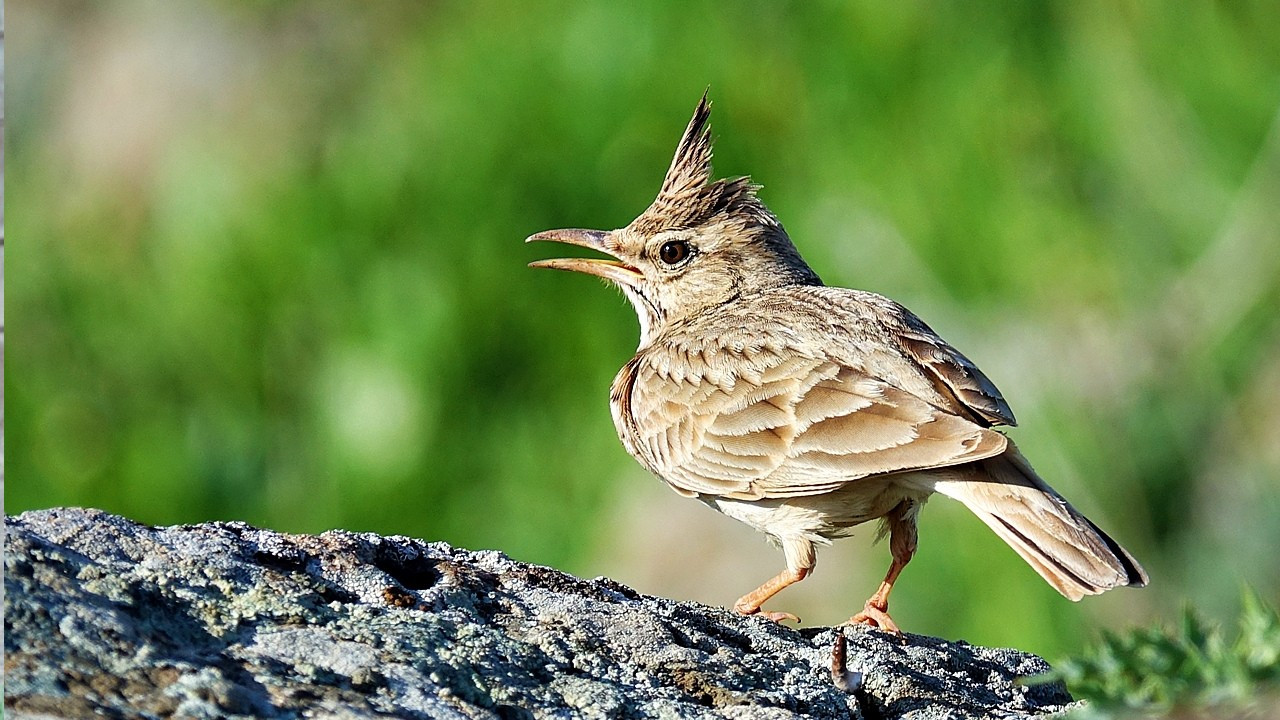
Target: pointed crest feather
{"type": "Point", "coordinates": [688, 196]}
{"type": "Point", "coordinates": [691, 167]}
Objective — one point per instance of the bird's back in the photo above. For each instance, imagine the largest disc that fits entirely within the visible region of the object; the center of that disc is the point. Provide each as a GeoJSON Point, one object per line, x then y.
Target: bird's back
{"type": "Point", "coordinates": [861, 330]}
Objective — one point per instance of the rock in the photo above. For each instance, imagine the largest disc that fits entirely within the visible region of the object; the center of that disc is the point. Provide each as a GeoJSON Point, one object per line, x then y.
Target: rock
{"type": "Point", "coordinates": [222, 620]}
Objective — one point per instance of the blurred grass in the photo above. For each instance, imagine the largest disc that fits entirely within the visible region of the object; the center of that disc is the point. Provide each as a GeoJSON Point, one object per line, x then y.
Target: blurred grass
{"type": "Point", "coordinates": [267, 266]}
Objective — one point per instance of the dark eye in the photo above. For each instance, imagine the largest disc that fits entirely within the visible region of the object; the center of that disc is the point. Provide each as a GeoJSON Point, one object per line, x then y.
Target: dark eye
{"type": "Point", "coordinates": [674, 251]}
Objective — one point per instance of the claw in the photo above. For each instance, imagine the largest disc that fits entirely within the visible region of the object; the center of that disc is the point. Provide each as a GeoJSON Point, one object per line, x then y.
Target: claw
{"type": "Point", "coordinates": [778, 616]}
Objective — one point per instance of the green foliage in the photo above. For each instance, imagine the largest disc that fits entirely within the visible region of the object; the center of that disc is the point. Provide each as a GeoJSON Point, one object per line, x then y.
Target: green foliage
{"type": "Point", "coordinates": [1190, 667]}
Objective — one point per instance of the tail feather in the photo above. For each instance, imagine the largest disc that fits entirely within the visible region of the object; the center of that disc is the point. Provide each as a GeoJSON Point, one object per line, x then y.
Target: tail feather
{"type": "Point", "coordinates": [1066, 548]}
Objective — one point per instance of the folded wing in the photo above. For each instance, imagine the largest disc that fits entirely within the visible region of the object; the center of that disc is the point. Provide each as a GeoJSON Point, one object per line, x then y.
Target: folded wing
{"type": "Point", "coordinates": [780, 424]}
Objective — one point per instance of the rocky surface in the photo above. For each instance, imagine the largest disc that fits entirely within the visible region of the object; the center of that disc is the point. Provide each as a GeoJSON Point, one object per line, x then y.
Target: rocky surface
{"type": "Point", "coordinates": [107, 617]}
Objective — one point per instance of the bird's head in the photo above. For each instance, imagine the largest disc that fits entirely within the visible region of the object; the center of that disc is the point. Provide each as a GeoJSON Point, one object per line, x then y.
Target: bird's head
{"type": "Point", "coordinates": [701, 244]}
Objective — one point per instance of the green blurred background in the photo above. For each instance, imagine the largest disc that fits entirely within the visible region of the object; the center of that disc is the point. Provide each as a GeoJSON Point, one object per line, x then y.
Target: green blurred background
{"type": "Point", "coordinates": [267, 265]}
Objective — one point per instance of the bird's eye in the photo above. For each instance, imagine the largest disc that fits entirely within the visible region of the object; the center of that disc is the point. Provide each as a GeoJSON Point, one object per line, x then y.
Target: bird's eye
{"type": "Point", "coordinates": [674, 251]}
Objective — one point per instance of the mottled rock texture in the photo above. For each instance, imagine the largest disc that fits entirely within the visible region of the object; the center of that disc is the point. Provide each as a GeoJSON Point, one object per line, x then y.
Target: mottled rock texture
{"type": "Point", "coordinates": [107, 617]}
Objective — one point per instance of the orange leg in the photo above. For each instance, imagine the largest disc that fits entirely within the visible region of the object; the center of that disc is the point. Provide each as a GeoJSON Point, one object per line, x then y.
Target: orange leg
{"type": "Point", "coordinates": [901, 523]}
{"type": "Point", "coordinates": [876, 611]}
{"type": "Point", "coordinates": [750, 603]}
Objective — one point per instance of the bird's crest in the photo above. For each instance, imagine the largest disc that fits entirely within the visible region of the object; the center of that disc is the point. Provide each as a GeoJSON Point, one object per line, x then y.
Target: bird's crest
{"type": "Point", "coordinates": [691, 167]}
{"type": "Point", "coordinates": [688, 196]}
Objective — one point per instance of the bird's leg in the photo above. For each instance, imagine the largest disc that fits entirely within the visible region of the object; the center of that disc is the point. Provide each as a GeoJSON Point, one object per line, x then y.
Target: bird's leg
{"type": "Point", "coordinates": [750, 603]}
{"type": "Point", "coordinates": [901, 524]}
{"type": "Point", "coordinates": [876, 611]}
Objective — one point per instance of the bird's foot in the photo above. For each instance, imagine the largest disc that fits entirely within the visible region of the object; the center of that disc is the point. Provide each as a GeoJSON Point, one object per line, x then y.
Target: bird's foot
{"type": "Point", "coordinates": [876, 617]}
{"type": "Point", "coordinates": [774, 615]}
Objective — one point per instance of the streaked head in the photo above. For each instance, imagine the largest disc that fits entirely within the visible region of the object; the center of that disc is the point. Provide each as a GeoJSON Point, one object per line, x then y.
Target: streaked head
{"type": "Point", "coordinates": [701, 243]}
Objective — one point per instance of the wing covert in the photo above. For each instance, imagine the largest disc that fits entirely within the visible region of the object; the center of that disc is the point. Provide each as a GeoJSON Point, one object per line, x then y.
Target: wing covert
{"type": "Point", "coordinates": [779, 424]}
{"type": "Point", "coordinates": [955, 375]}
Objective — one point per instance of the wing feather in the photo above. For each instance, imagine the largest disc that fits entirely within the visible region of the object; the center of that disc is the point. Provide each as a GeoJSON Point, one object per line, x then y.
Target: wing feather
{"type": "Point", "coordinates": [780, 425]}
{"type": "Point", "coordinates": [955, 375]}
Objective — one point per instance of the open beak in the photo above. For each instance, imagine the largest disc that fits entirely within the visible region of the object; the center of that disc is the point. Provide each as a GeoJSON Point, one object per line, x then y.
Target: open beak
{"type": "Point", "coordinates": [596, 240]}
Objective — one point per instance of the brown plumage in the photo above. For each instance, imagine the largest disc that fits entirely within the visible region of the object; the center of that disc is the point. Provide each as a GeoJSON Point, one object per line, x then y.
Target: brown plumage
{"type": "Point", "coordinates": [804, 410]}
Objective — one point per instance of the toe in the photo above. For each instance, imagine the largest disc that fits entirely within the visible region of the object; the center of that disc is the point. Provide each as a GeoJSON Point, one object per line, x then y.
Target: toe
{"type": "Point", "coordinates": [778, 617]}
{"type": "Point", "coordinates": [877, 618]}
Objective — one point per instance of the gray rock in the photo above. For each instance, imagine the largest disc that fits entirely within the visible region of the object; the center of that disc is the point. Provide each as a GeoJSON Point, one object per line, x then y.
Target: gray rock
{"type": "Point", "coordinates": [107, 617]}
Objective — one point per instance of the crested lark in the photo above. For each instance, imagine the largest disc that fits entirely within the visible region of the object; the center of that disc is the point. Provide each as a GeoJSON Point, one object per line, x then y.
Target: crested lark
{"type": "Point", "coordinates": [804, 410]}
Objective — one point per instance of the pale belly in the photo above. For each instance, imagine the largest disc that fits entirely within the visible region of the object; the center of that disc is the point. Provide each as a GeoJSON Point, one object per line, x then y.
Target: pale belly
{"type": "Point", "coordinates": [820, 518]}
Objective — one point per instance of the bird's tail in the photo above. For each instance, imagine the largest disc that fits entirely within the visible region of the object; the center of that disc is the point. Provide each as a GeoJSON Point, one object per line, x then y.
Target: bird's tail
{"type": "Point", "coordinates": [1070, 552]}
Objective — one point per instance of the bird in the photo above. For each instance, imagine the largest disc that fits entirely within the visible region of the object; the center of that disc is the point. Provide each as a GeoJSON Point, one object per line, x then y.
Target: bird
{"type": "Point", "coordinates": [805, 410]}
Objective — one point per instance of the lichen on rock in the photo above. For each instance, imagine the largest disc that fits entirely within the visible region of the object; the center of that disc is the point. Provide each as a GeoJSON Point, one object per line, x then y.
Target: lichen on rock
{"type": "Point", "coordinates": [222, 620]}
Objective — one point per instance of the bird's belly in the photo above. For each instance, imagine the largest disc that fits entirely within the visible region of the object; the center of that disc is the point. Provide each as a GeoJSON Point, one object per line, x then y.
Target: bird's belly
{"type": "Point", "coordinates": [827, 515]}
